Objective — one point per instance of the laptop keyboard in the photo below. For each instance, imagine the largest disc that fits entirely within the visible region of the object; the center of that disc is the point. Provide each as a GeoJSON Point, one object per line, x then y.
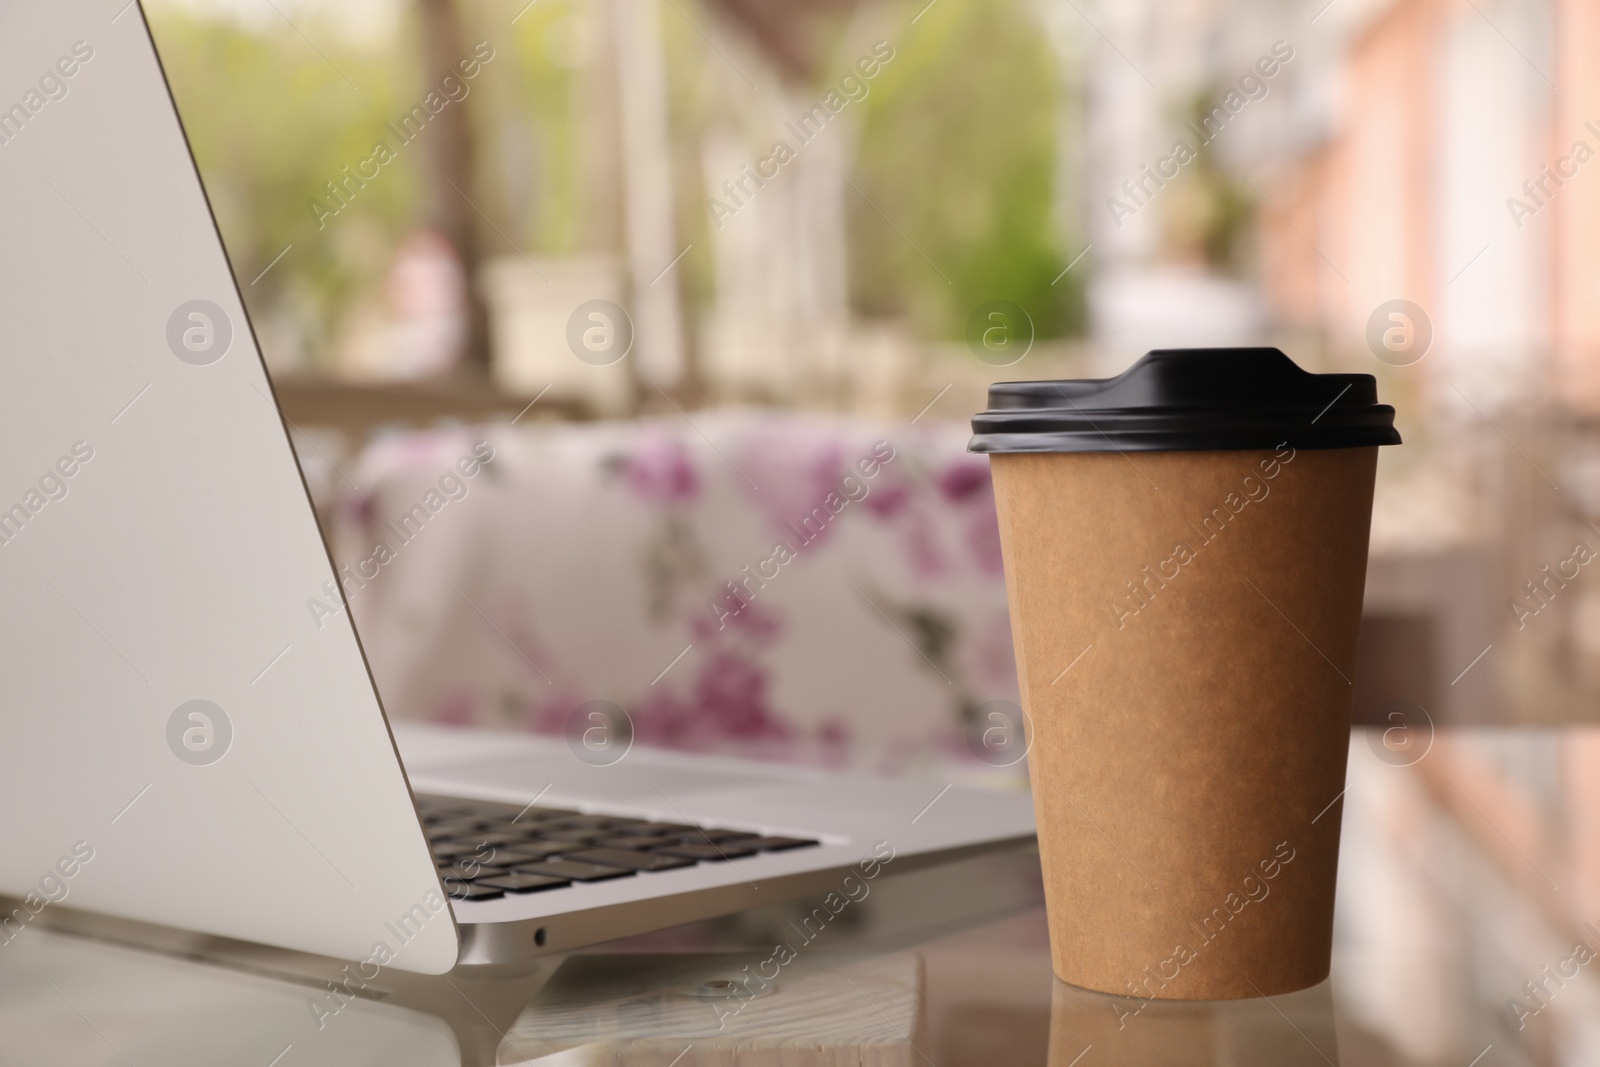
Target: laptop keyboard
{"type": "Point", "coordinates": [486, 850]}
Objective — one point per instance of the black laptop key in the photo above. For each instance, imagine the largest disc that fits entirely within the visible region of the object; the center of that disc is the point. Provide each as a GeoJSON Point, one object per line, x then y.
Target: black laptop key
{"type": "Point", "coordinates": [523, 883]}
{"type": "Point", "coordinates": [534, 816]}
{"type": "Point", "coordinates": [645, 827]}
{"type": "Point", "coordinates": [671, 829]}
{"type": "Point", "coordinates": [451, 849]}
{"type": "Point", "coordinates": [569, 838]}
{"type": "Point", "coordinates": [703, 851]}
{"type": "Point", "coordinates": [768, 844]}
{"type": "Point", "coordinates": [470, 891]}
{"type": "Point", "coordinates": [532, 852]}
{"type": "Point", "coordinates": [632, 844]}
{"type": "Point", "coordinates": [478, 857]}
{"type": "Point", "coordinates": [577, 872]}
{"type": "Point", "coordinates": [633, 861]}
{"type": "Point", "coordinates": [591, 822]}
{"type": "Point", "coordinates": [470, 872]}
{"type": "Point", "coordinates": [699, 836]}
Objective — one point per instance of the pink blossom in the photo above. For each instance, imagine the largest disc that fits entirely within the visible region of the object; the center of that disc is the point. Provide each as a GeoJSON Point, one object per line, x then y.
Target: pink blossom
{"type": "Point", "coordinates": [964, 477]}
{"type": "Point", "coordinates": [796, 470]}
{"type": "Point", "coordinates": [888, 500]}
{"type": "Point", "coordinates": [731, 693]}
{"type": "Point", "coordinates": [660, 469]}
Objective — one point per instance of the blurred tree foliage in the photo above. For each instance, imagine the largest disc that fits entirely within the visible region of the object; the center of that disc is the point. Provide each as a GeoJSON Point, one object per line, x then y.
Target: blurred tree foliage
{"type": "Point", "coordinates": [270, 120]}
{"type": "Point", "coordinates": [274, 111]}
{"type": "Point", "coordinates": [959, 154]}
{"type": "Point", "coordinates": [957, 150]}
{"type": "Point", "coordinates": [541, 121]}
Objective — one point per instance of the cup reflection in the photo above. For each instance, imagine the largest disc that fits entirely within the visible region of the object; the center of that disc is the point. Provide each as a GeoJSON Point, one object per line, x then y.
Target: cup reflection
{"type": "Point", "coordinates": [1293, 1030]}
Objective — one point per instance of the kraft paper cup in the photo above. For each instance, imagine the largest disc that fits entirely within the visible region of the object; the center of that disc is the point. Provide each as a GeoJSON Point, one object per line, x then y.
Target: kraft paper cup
{"type": "Point", "coordinates": [1185, 625]}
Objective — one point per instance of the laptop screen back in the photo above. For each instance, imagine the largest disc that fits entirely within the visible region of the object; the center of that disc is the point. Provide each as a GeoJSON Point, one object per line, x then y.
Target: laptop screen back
{"type": "Point", "coordinates": [182, 740]}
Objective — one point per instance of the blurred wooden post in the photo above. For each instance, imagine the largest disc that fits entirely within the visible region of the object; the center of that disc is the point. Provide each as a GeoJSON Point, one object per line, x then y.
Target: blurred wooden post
{"type": "Point", "coordinates": [452, 156]}
{"type": "Point", "coordinates": [658, 350]}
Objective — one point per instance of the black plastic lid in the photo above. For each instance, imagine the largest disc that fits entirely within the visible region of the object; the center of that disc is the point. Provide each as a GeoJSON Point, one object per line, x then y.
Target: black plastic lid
{"type": "Point", "coordinates": [1188, 400]}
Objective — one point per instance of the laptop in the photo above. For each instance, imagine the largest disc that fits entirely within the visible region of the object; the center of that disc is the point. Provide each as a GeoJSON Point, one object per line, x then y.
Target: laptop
{"type": "Point", "coordinates": [182, 744]}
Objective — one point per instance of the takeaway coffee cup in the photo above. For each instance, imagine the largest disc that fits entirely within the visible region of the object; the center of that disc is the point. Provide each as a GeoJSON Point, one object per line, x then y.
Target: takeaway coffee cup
{"type": "Point", "coordinates": [1185, 547]}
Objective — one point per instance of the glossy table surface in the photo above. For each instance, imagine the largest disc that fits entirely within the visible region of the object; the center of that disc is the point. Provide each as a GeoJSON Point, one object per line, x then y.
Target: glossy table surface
{"type": "Point", "coordinates": [1468, 919]}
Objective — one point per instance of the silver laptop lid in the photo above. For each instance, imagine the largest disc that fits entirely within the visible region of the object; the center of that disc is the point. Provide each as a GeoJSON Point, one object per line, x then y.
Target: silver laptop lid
{"type": "Point", "coordinates": [180, 741]}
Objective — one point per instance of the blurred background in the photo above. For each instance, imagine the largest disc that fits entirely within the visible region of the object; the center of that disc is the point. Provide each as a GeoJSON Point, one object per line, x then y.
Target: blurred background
{"type": "Point", "coordinates": [628, 348]}
{"type": "Point", "coordinates": [700, 237]}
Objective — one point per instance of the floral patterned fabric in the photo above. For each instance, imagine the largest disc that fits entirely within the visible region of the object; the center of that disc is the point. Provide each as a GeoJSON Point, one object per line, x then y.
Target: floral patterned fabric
{"type": "Point", "coordinates": [751, 582]}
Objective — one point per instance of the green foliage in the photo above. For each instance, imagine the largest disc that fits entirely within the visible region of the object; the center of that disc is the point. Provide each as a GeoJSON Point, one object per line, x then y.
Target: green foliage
{"type": "Point", "coordinates": [538, 107]}
{"type": "Point", "coordinates": [957, 151]}
{"type": "Point", "coordinates": [958, 154]}
{"type": "Point", "coordinates": [270, 120]}
{"type": "Point", "coordinates": [273, 116]}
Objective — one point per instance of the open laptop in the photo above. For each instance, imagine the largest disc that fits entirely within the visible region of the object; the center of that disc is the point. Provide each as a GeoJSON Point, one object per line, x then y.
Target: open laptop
{"type": "Point", "coordinates": [181, 743]}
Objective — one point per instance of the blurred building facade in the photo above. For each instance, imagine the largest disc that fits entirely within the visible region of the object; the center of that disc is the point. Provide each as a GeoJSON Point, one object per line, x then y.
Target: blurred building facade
{"type": "Point", "coordinates": [1449, 168]}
